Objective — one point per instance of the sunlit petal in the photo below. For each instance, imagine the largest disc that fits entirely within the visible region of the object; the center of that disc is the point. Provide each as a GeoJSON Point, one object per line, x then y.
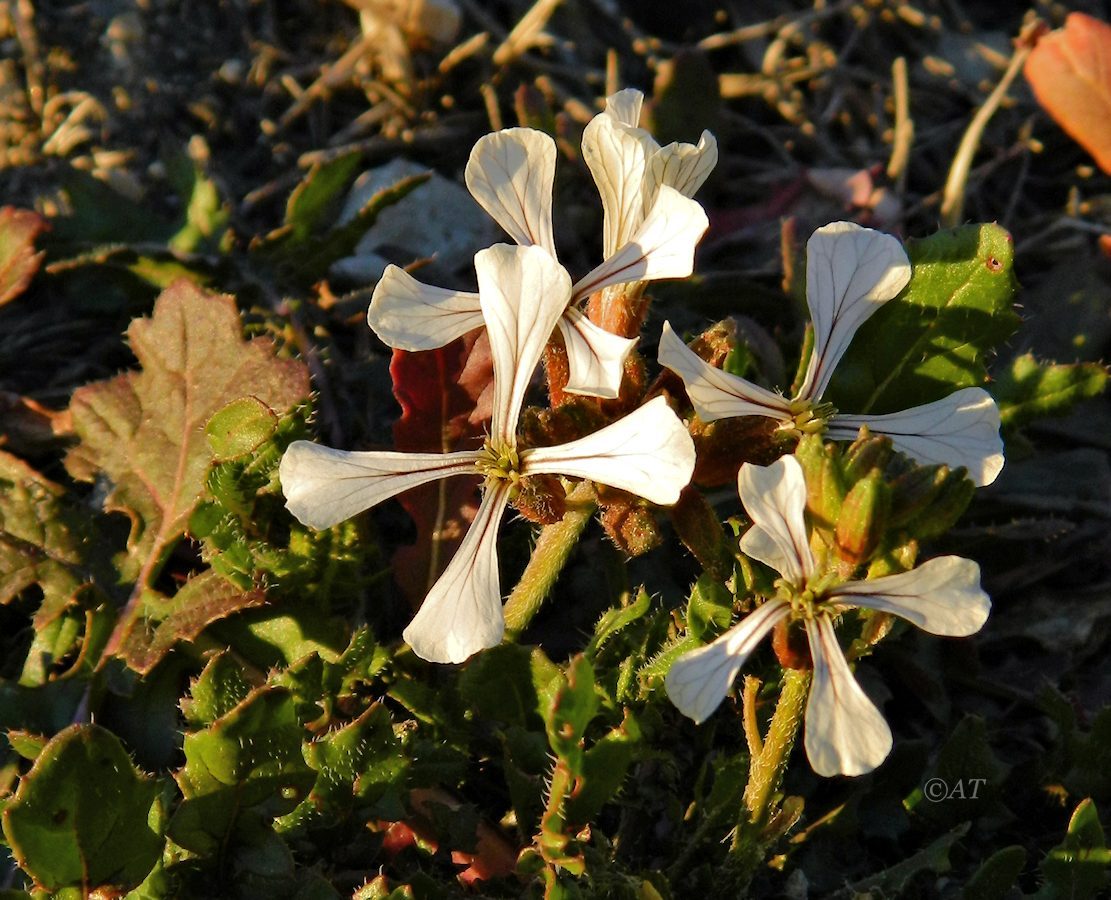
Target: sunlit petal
{"type": "Point", "coordinates": [662, 246]}
{"type": "Point", "coordinates": [510, 173]}
{"type": "Point", "coordinates": [959, 430]}
{"type": "Point", "coordinates": [760, 545]}
{"type": "Point", "coordinates": [462, 614]}
{"type": "Point", "coordinates": [624, 106]}
{"type": "Point", "coordinates": [698, 681]}
{"type": "Point", "coordinates": [648, 453]}
{"type": "Point", "coordinates": [596, 357]}
{"type": "Point", "coordinates": [845, 733]}
{"type": "Point", "coordinates": [323, 486]}
{"type": "Point", "coordinates": [684, 167]}
{"type": "Point", "coordinates": [616, 155]}
{"type": "Point", "coordinates": [850, 272]}
{"type": "Point", "coordinates": [523, 292]}
{"type": "Point", "coordinates": [941, 596]}
{"type": "Point", "coordinates": [409, 315]}
{"type": "Point", "coordinates": [715, 394]}
{"type": "Point", "coordinates": [775, 498]}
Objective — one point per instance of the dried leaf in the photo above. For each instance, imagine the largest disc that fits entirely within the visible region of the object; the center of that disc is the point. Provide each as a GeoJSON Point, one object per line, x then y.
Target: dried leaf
{"type": "Point", "coordinates": [445, 405]}
{"type": "Point", "coordinates": [18, 259]}
{"type": "Point", "coordinates": [1070, 72]}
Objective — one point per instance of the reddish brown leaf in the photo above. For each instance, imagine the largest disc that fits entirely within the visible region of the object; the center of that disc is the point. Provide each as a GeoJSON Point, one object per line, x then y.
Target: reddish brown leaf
{"type": "Point", "coordinates": [18, 260]}
{"type": "Point", "coordinates": [1070, 72]}
{"type": "Point", "coordinates": [445, 405]}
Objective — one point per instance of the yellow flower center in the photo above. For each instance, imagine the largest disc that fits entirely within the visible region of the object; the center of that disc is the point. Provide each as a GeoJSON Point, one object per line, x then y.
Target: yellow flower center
{"type": "Point", "coordinates": [499, 462]}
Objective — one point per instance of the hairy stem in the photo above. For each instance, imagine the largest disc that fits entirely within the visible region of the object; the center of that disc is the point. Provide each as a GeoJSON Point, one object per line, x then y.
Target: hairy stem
{"type": "Point", "coordinates": [549, 556]}
{"type": "Point", "coordinates": [766, 770]}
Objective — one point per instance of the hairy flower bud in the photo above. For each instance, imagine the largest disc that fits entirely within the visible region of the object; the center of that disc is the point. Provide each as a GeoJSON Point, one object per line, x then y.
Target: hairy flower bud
{"type": "Point", "coordinates": [864, 517]}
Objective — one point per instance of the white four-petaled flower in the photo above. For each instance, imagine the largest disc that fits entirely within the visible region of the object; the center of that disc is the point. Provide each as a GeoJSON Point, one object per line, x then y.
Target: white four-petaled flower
{"type": "Point", "coordinates": [845, 733]}
{"type": "Point", "coordinates": [850, 272]}
{"type": "Point", "coordinates": [522, 291]}
{"type": "Point", "coordinates": [651, 229]}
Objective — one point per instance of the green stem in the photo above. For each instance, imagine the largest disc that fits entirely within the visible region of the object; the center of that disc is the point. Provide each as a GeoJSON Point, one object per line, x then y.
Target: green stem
{"type": "Point", "coordinates": [549, 556]}
{"type": "Point", "coordinates": [766, 770]}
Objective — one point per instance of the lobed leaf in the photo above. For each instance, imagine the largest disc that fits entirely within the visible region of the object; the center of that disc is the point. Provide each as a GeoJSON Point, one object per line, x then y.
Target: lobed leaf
{"type": "Point", "coordinates": [1029, 390]}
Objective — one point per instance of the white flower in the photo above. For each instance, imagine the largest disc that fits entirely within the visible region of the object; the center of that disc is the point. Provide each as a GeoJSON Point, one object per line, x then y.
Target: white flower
{"type": "Point", "coordinates": [523, 291]}
{"type": "Point", "coordinates": [510, 173]}
{"type": "Point", "coordinates": [850, 272]}
{"type": "Point", "coordinates": [845, 733]}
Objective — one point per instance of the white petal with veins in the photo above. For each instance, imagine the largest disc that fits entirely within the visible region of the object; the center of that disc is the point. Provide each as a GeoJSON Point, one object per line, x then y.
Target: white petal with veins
{"type": "Point", "coordinates": [523, 292]}
{"type": "Point", "coordinates": [775, 498]}
{"type": "Point", "coordinates": [510, 173]}
{"type": "Point", "coordinates": [662, 246]}
{"type": "Point", "coordinates": [959, 430]}
{"type": "Point", "coordinates": [616, 155]}
{"type": "Point", "coordinates": [624, 106]}
{"type": "Point", "coordinates": [760, 545]}
{"type": "Point", "coordinates": [941, 596]}
{"type": "Point", "coordinates": [323, 486]}
{"type": "Point", "coordinates": [698, 681]}
{"type": "Point", "coordinates": [462, 613]}
{"type": "Point", "coordinates": [845, 733]}
{"type": "Point", "coordinates": [715, 394]}
{"type": "Point", "coordinates": [410, 315]}
{"type": "Point", "coordinates": [850, 272]}
{"type": "Point", "coordinates": [596, 357]}
{"type": "Point", "coordinates": [684, 167]}
{"type": "Point", "coordinates": [648, 453]}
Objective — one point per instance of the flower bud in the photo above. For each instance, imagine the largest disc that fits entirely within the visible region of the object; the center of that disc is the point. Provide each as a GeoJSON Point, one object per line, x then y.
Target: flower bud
{"type": "Point", "coordinates": [825, 480]}
{"type": "Point", "coordinates": [866, 453]}
{"type": "Point", "coordinates": [864, 517]}
{"type": "Point", "coordinates": [945, 508]}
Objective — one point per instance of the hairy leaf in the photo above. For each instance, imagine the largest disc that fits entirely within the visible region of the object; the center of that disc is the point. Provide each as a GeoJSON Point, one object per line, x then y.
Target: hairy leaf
{"type": "Point", "coordinates": [18, 260]}
{"type": "Point", "coordinates": [1078, 867]}
{"type": "Point", "coordinates": [935, 337]}
{"type": "Point", "coordinates": [1070, 72]}
{"type": "Point", "coordinates": [1029, 390]}
{"type": "Point", "coordinates": [83, 816]}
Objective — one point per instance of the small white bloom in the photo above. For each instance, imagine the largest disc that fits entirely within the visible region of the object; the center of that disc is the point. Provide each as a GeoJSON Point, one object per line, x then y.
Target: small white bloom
{"type": "Point", "coordinates": [845, 733]}
{"type": "Point", "coordinates": [523, 292]}
{"type": "Point", "coordinates": [510, 173]}
{"type": "Point", "coordinates": [850, 272]}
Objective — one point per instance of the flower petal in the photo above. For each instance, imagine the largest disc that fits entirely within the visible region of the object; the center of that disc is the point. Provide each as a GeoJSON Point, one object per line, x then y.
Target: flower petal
{"type": "Point", "coordinates": [616, 155]}
{"type": "Point", "coordinates": [462, 614]}
{"type": "Point", "coordinates": [624, 106]}
{"type": "Point", "coordinates": [775, 498]}
{"type": "Point", "coordinates": [410, 315]}
{"type": "Point", "coordinates": [715, 394]}
{"type": "Point", "coordinates": [850, 272]}
{"type": "Point", "coordinates": [698, 681]}
{"type": "Point", "coordinates": [760, 545]}
{"type": "Point", "coordinates": [941, 596]}
{"type": "Point", "coordinates": [662, 247]}
{"type": "Point", "coordinates": [510, 173]}
{"type": "Point", "coordinates": [523, 292]}
{"type": "Point", "coordinates": [845, 733]}
{"type": "Point", "coordinates": [959, 430]}
{"type": "Point", "coordinates": [648, 453]}
{"type": "Point", "coordinates": [596, 357]}
{"type": "Point", "coordinates": [684, 167]}
{"type": "Point", "coordinates": [323, 486]}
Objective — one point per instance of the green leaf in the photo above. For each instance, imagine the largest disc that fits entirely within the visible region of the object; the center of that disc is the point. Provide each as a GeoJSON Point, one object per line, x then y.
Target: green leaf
{"type": "Point", "coordinates": [604, 767]}
{"type": "Point", "coordinates": [215, 692]}
{"type": "Point", "coordinates": [206, 215]}
{"type": "Point", "coordinates": [1077, 868]}
{"type": "Point", "coordinates": [42, 539]}
{"type": "Point", "coordinates": [239, 428]}
{"type": "Point", "coordinates": [244, 770]}
{"type": "Point", "coordinates": [615, 620]}
{"type": "Point", "coordinates": [498, 685]}
{"type": "Point", "coordinates": [970, 772]}
{"type": "Point", "coordinates": [710, 609]}
{"type": "Point", "coordinates": [935, 337]}
{"type": "Point", "coordinates": [18, 260]}
{"type": "Point", "coordinates": [83, 816]}
{"type": "Point", "coordinates": [995, 879]}
{"type": "Point", "coordinates": [572, 708]}
{"type": "Point", "coordinates": [892, 880]}
{"type": "Point", "coordinates": [1029, 390]}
